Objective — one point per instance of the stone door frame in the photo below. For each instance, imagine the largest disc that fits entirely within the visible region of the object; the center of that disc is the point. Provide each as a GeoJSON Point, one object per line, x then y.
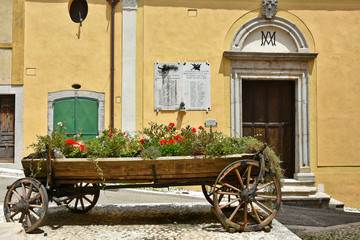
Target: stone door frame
{"type": "Point", "coordinates": [274, 66]}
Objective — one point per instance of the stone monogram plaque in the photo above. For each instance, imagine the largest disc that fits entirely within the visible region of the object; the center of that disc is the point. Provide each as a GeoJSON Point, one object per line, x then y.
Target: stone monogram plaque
{"type": "Point", "coordinates": [182, 86]}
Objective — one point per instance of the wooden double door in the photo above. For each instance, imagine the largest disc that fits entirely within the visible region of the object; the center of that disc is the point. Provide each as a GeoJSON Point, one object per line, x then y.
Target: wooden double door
{"type": "Point", "coordinates": [7, 128]}
{"type": "Point", "coordinates": [269, 114]}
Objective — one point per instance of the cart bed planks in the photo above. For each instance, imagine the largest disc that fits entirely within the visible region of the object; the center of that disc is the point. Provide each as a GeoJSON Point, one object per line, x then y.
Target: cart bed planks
{"type": "Point", "coordinates": [184, 169]}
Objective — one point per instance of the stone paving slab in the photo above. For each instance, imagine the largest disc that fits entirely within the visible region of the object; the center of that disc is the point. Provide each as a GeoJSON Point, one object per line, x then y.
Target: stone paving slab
{"type": "Point", "coordinates": [144, 222]}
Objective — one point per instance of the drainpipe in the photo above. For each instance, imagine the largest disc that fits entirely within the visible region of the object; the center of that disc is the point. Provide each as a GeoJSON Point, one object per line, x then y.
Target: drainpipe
{"type": "Point", "coordinates": [112, 68]}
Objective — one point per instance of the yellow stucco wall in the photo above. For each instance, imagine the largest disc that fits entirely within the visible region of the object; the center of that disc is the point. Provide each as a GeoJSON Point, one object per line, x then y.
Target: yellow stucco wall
{"type": "Point", "coordinates": [62, 53]}
{"type": "Point", "coordinates": [337, 91]}
{"type": "Point", "coordinates": [175, 36]}
{"type": "Point", "coordinates": [334, 85]}
{"type": "Point", "coordinates": [166, 33]}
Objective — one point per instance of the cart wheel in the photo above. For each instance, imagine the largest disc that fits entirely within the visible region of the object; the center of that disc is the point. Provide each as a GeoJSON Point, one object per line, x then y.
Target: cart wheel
{"type": "Point", "coordinates": [244, 209]}
{"type": "Point", "coordinates": [208, 193]}
{"type": "Point", "coordinates": [83, 203]}
{"type": "Point", "coordinates": [26, 202]}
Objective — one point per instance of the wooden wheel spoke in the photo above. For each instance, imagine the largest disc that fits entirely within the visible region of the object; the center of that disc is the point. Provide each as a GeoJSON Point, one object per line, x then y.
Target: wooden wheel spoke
{"type": "Point", "coordinates": [29, 191]}
{"type": "Point", "coordinates": [263, 206]}
{"type": "Point", "coordinates": [28, 219]}
{"type": "Point", "coordinates": [76, 203]}
{"type": "Point", "coordinates": [230, 186]}
{"type": "Point", "coordinates": [87, 199]}
{"type": "Point", "coordinates": [82, 203]}
{"type": "Point", "coordinates": [69, 200]}
{"type": "Point", "coordinates": [248, 176]}
{"type": "Point", "coordinates": [220, 198]}
{"type": "Point", "coordinates": [34, 198]}
{"type": "Point", "coordinates": [35, 214]}
{"type": "Point", "coordinates": [255, 180]}
{"type": "Point", "coordinates": [11, 203]}
{"type": "Point", "coordinates": [16, 194]}
{"type": "Point", "coordinates": [239, 178]}
{"type": "Point", "coordinates": [235, 211]}
{"type": "Point", "coordinates": [23, 190]}
{"type": "Point", "coordinates": [265, 185]}
{"type": "Point", "coordinates": [22, 217]}
{"type": "Point", "coordinates": [229, 203]}
{"type": "Point", "coordinates": [228, 193]}
{"type": "Point", "coordinates": [266, 196]}
{"type": "Point", "coordinates": [35, 206]}
{"type": "Point", "coordinates": [245, 213]}
{"type": "Point", "coordinates": [14, 214]}
{"type": "Point", "coordinates": [256, 213]}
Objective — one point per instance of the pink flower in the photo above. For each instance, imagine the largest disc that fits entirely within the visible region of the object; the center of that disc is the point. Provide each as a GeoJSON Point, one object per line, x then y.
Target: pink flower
{"type": "Point", "coordinates": [193, 129]}
{"type": "Point", "coordinates": [201, 128]}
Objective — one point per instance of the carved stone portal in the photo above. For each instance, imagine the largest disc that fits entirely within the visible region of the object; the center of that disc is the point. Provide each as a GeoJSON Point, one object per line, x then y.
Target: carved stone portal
{"type": "Point", "coordinates": [269, 8]}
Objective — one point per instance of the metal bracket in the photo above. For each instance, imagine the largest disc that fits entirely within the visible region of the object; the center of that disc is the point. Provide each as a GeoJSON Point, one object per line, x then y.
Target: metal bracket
{"type": "Point", "coordinates": [154, 173]}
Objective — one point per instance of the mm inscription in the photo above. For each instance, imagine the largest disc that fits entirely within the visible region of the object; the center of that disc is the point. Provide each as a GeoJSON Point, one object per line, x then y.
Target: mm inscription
{"type": "Point", "coordinates": [268, 38]}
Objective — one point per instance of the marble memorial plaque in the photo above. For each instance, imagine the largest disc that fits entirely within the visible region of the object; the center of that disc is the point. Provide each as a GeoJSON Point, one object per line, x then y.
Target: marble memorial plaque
{"type": "Point", "coordinates": [182, 83]}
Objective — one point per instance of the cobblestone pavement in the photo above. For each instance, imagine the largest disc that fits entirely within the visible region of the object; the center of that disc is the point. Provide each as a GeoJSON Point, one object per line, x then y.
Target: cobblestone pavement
{"type": "Point", "coordinates": [145, 221]}
{"type": "Point", "coordinates": [180, 215]}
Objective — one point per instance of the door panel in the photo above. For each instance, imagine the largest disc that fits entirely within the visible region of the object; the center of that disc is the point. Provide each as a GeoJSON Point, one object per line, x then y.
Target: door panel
{"type": "Point", "coordinates": [64, 111]}
{"type": "Point", "coordinates": [86, 117]}
{"type": "Point", "coordinates": [269, 114]}
{"type": "Point", "coordinates": [79, 116]}
{"type": "Point", "coordinates": [7, 128]}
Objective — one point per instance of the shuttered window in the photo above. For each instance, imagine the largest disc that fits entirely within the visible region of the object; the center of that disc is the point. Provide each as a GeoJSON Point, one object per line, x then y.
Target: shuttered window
{"type": "Point", "coordinates": [79, 116]}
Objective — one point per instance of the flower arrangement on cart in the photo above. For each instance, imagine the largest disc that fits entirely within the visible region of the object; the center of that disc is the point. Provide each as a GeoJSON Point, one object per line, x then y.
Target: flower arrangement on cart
{"type": "Point", "coordinates": [239, 176]}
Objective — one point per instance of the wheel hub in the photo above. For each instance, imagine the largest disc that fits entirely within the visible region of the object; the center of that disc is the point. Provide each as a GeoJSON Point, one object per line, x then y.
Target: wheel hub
{"type": "Point", "coordinates": [246, 194]}
{"type": "Point", "coordinates": [22, 205]}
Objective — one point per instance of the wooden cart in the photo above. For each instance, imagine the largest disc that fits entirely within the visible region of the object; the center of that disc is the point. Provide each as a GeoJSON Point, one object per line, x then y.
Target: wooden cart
{"type": "Point", "coordinates": [244, 192]}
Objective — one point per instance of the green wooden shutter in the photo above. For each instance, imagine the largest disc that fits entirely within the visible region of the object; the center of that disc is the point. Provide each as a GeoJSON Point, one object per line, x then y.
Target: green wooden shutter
{"type": "Point", "coordinates": [64, 111]}
{"type": "Point", "coordinates": [87, 117]}
{"type": "Point", "coordinates": [79, 116]}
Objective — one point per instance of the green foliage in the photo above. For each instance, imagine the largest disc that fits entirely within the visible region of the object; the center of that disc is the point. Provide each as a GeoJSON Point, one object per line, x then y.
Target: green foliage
{"type": "Point", "coordinates": [56, 141]}
{"type": "Point", "coordinates": [112, 143]}
{"type": "Point", "coordinates": [170, 149]}
{"type": "Point", "coordinates": [150, 153]}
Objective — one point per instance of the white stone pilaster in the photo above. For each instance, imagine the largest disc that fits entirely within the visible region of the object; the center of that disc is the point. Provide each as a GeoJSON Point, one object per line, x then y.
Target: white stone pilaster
{"type": "Point", "coordinates": [128, 113]}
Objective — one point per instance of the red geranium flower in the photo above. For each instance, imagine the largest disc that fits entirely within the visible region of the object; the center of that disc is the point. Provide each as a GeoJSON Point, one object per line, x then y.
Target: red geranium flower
{"type": "Point", "coordinates": [171, 141]}
{"type": "Point", "coordinates": [111, 133]}
{"type": "Point", "coordinates": [201, 128]}
{"type": "Point", "coordinates": [69, 142]}
{"type": "Point", "coordinates": [82, 147]}
{"type": "Point", "coordinates": [163, 141]}
{"type": "Point", "coordinates": [177, 137]}
{"type": "Point", "coordinates": [193, 129]}
{"type": "Point", "coordinates": [142, 140]}
{"type": "Point", "coordinates": [172, 124]}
